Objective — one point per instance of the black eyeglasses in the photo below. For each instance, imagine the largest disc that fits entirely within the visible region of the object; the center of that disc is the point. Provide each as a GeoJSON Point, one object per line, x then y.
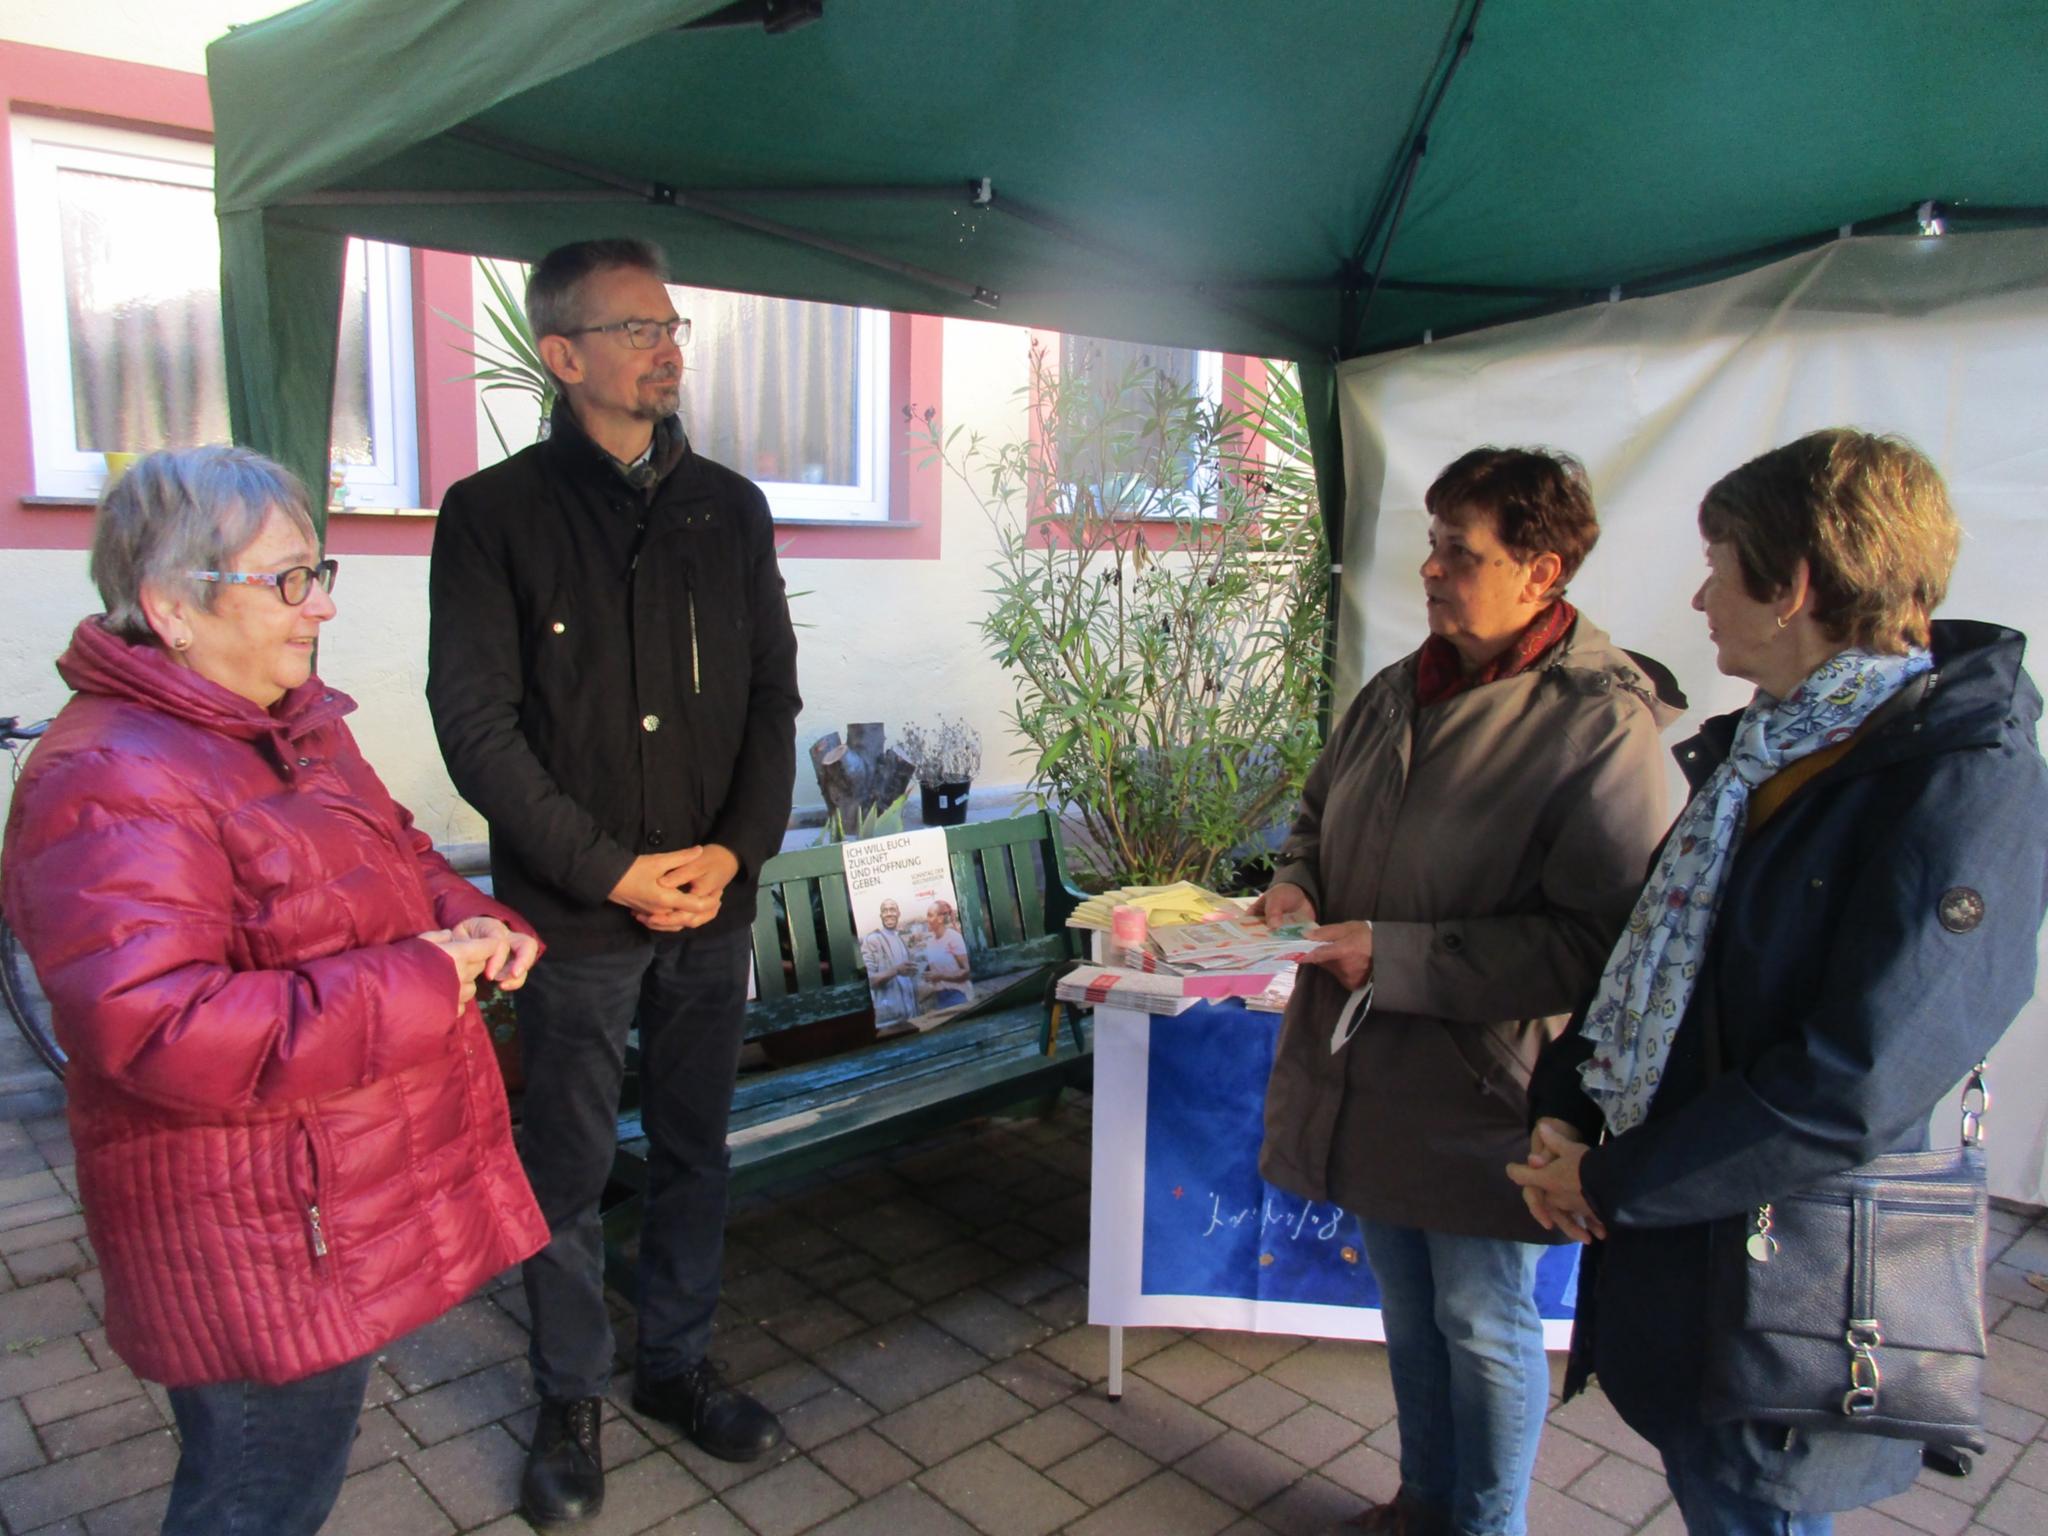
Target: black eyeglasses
{"type": "Point", "coordinates": [293, 586]}
{"type": "Point", "coordinates": [640, 334]}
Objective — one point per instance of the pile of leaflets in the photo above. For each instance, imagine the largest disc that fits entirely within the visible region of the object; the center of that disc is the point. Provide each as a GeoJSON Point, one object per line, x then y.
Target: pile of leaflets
{"type": "Point", "coordinates": [1164, 906]}
{"type": "Point", "coordinates": [1235, 944]}
{"type": "Point", "coordinates": [1225, 957]}
{"type": "Point", "coordinates": [1274, 998]}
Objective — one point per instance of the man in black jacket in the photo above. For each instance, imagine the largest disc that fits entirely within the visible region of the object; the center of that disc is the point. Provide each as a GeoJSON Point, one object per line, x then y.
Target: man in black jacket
{"type": "Point", "coordinates": [612, 675]}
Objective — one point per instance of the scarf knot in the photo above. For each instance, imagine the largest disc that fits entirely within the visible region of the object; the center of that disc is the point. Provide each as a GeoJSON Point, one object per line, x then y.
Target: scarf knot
{"type": "Point", "coordinates": [1439, 675]}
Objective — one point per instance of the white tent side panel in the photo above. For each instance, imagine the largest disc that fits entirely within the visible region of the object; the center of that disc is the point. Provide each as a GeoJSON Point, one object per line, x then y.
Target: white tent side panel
{"type": "Point", "coordinates": [1943, 340]}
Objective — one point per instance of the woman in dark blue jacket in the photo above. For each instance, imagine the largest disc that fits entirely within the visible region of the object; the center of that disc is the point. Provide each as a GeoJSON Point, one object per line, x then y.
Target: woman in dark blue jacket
{"type": "Point", "coordinates": [1842, 922]}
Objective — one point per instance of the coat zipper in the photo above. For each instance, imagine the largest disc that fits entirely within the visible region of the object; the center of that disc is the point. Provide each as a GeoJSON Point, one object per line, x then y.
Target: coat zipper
{"type": "Point", "coordinates": [696, 675]}
{"type": "Point", "coordinates": [310, 1195]}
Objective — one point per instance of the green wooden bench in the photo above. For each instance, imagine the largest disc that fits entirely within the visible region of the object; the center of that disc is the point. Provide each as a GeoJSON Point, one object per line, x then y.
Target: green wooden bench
{"type": "Point", "coordinates": [1013, 895]}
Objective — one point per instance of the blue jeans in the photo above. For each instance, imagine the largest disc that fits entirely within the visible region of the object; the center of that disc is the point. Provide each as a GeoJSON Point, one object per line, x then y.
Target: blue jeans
{"type": "Point", "coordinates": [263, 1461]}
{"type": "Point", "coordinates": [1712, 1508]}
{"type": "Point", "coordinates": [1465, 1348]}
{"type": "Point", "coordinates": [688, 995]}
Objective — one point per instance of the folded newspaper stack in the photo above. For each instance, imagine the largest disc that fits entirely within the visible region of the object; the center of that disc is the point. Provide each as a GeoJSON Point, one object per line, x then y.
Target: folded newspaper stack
{"type": "Point", "coordinates": [1088, 985]}
{"type": "Point", "coordinates": [1228, 957]}
{"type": "Point", "coordinates": [1274, 998]}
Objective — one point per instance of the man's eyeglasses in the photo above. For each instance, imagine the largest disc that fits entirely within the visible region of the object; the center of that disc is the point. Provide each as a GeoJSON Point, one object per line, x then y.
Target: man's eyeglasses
{"type": "Point", "coordinates": [640, 335]}
{"type": "Point", "coordinates": [293, 586]}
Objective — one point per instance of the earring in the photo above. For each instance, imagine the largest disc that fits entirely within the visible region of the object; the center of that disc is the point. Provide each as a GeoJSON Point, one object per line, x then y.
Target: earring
{"type": "Point", "coordinates": [181, 642]}
{"type": "Point", "coordinates": [1784, 621]}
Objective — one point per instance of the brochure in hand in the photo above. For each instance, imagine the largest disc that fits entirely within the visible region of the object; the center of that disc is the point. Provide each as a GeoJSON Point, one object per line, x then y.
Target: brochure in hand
{"type": "Point", "coordinates": [1231, 944]}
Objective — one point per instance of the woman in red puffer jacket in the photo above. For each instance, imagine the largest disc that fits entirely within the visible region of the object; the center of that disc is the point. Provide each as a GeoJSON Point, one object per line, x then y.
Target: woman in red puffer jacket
{"type": "Point", "coordinates": [292, 1140]}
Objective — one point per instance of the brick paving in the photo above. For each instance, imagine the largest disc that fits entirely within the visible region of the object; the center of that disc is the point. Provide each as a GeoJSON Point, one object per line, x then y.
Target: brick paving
{"type": "Point", "coordinates": [918, 1321]}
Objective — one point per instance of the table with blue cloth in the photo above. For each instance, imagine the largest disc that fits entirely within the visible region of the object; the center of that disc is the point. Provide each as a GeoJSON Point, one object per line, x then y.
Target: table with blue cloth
{"type": "Point", "coordinates": [1183, 1231]}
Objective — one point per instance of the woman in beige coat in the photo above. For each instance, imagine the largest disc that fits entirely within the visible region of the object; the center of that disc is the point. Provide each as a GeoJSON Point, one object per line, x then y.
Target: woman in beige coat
{"type": "Point", "coordinates": [1471, 841]}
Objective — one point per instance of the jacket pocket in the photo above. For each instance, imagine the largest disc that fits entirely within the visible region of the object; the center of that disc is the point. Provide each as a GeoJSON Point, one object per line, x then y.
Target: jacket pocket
{"type": "Point", "coordinates": [1488, 1053]}
{"type": "Point", "coordinates": [306, 1188]}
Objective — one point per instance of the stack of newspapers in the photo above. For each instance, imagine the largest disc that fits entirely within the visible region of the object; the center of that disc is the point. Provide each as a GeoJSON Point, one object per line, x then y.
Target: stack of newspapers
{"type": "Point", "coordinates": [1179, 966]}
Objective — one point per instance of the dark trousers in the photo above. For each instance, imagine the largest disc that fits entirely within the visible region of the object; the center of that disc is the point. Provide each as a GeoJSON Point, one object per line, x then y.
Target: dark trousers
{"type": "Point", "coordinates": [263, 1461]}
{"type": "Point", "coordinates": [688, 995]}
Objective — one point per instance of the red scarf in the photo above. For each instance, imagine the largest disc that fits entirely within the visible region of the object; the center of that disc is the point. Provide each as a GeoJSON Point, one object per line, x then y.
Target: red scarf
{"type": "Point", "coordinates": [1440, 676]}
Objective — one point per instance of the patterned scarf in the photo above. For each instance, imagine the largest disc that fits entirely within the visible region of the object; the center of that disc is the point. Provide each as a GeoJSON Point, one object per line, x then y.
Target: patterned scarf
{"type": "Point", "coordinates": [1650, 977]}
{"type": "Point", "coordinates": [1439, 676]}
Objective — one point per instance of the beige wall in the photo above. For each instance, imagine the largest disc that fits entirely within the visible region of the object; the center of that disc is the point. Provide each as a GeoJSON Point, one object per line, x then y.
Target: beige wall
{"type": "Point", "coordinates": [170, 33]}
{"type": "Point", "coordinates": [889, 640]}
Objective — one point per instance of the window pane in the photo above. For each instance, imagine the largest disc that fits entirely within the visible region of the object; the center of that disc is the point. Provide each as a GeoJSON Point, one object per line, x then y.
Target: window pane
{"type": "Point", "coordinates": [142, 303]}
{"type": "Point", "coordinates": [142, 297]}
{"type": "Point", "coordinates": [351, 434]}
{"type": "Point", "coordinates": [771, 387]}
{"type": "Point", "coordinates": [1107, 362]}
{"type": "Point", "coordinates": [1109, 367]}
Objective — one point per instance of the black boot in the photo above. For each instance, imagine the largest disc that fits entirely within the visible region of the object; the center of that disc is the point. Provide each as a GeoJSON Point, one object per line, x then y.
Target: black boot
{"type": "Point", "coordinates": [564, 1468]}
{"type": "Point", "coordinates": [723, 1421]}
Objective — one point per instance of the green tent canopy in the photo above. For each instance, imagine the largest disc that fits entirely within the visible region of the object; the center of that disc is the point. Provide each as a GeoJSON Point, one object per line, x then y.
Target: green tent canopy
{"type": "Point", "coordinates": [1313, 179]}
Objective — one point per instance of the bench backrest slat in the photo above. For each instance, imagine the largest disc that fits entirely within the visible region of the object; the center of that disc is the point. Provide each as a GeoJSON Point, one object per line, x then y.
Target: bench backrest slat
{"type": "Point", "coordinates": [1002, 893]}
{"type": "Point", "coordinates": [839, 935]}
{"type": "Point", "coordinates": [1024, 865]}
{"type": "Point", "coordinates": [803, 932]}
{"type": "Point", "coordinates": [967, 891]}
{"type": "Point", "coordinates": [768, 978]}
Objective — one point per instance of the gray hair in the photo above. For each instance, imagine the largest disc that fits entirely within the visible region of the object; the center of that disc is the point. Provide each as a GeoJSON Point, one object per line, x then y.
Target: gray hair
{"type": "Point", "coordinates": [182, 510]}
{"type": "Point", "coordinates": [553, 304]}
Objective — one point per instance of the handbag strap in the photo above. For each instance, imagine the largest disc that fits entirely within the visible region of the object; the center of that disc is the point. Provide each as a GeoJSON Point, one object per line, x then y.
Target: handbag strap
{"type": "Point", "coordinates": [1864, 1333]}
{"type": "Point", "coordinates": [1976, 1107]}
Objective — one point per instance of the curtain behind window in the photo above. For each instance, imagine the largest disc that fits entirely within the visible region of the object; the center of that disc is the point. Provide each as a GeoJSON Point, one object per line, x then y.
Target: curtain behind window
{"type": "Point", "coordinates": [142, 296]}
{"type": "Point", "coordinates": [771, 386]}
{"type": "Point", "coordinates": [142, 306]}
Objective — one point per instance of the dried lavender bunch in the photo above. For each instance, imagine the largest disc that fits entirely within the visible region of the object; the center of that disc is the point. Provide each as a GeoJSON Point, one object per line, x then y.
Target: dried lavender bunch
{"type": "Point", "coordinates": [946, 753]}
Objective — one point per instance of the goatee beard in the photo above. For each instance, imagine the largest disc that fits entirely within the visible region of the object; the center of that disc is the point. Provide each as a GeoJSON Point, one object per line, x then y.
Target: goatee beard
{"type": "Point", "coordinates": [660, 407]}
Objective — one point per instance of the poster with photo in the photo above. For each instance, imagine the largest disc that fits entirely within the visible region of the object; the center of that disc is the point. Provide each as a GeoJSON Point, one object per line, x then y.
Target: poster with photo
{"type": "Point", "coordinates": [907, 915]}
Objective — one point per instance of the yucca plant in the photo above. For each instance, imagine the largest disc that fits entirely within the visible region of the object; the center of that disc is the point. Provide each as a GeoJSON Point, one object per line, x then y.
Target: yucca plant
{"type": "Point", "coordinates": [511, 356]}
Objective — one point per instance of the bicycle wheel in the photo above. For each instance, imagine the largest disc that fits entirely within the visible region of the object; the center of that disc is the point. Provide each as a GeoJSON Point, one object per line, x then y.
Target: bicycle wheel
{"type": "Point", "coordinates": [23, 997]}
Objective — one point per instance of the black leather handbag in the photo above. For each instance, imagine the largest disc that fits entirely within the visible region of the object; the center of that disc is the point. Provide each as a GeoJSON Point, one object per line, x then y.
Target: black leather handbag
{"type": "Point", "coordinates": [1857, 1304]}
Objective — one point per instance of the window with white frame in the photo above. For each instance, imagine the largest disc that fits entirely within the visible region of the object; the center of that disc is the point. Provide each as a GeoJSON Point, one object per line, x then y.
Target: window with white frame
{"type": "Point", "coordinates": [1111, 366]}
{"type": "Point", "coordinates": [120, 277]}
{"type": "Point", "coordinates": [793, 395]}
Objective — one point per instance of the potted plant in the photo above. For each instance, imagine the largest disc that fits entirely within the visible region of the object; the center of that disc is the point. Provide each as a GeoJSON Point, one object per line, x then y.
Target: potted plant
{"type": "Point", "coordinates": [511, 358]}
{"type": "Point", "coordinates": [1159, 587]}
{"type": "Point", "coordinates": [948, 756]}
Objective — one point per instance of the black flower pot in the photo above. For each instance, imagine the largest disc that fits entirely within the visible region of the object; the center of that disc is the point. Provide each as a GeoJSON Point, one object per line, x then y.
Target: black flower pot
{"type": "Point", "coordinates": [945, 805]}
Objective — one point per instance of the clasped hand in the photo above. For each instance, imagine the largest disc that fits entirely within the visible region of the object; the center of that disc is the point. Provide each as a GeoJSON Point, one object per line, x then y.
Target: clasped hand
{"type": "Point", "coordinates": [1550, 1182]}
{"type": "Point", "coordinates": [484, 947]}
{"type": "Point", "coordinates": [668, 892]}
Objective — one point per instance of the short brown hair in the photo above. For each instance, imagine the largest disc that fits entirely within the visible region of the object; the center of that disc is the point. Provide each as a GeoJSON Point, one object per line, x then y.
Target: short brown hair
{"type": "Point", "coordinates": [1870, 517]}
{"type": "Point", "coordinates": [552, 307]}
{"type": "Point", "coordinates": [1539, 499]}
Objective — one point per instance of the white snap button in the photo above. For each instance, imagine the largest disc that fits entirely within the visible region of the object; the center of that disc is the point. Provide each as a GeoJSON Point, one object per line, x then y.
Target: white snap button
{"type": "Point", "coordinates": [650, 722]}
